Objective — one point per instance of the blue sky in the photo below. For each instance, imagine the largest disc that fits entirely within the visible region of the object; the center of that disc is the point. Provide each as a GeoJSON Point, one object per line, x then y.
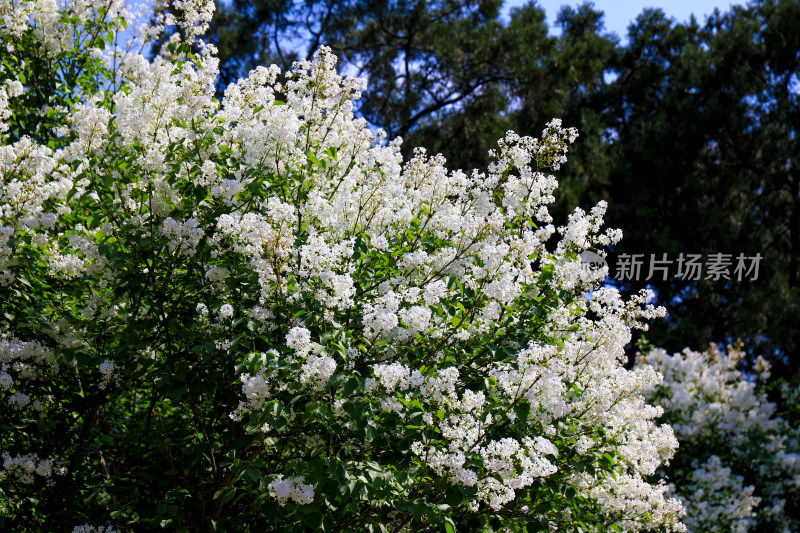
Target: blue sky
{"type": "Point", "coordinates": [619, 13]}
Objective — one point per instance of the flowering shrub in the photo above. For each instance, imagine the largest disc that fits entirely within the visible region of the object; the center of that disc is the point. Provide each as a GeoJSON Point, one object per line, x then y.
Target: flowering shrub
{"type": "Point", "coordinates": [738, 467]}
{"type": "Point", "coordinates": [252, 313]}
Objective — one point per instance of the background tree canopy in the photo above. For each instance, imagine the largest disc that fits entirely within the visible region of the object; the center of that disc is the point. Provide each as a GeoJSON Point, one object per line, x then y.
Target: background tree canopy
{"type": "Point", "coordinates": [689, 131]}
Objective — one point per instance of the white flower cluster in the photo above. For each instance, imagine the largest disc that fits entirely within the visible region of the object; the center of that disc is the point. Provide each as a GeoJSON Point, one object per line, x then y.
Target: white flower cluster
{"type": "Point", "coordinates": [107, 369]}
{"type": "Point", "coordinates": [31, 177]}
{"type": "Point", "coordinates": [516, 465]}
{"type": "Point", "coordinates": [299, 340]}
{"type": "Point", "coordinates": [23, 467]}
{"type": "Point", "coordinates": [10, 90]}
{"type": "Point", "coordinates": [709, 401]}
{"type": "Point", "coordinates": [627, 495]}
{"type": "Point", "coordinates": [291, 489]}
{"type": "Point", "coordinates": [266, 241]}
{"type": "Point", "coordinates": [316, 371]}
{"type": "Point", "coordinates": [90, 123]}
{"type": "Point", "coordinates": [86, 528]}
{"type": "Point", "coordinates": [258, 388]}
{"type": "Point", "coordinates": [713, 394]}
{"type": "Point", "coordinates": [20, 363]}
{"type": "Point", "coordinates": [255, 388]}
{"type": "Point", "coordinates": [716, 500]}
{"type": "Point", "coordinates": [182, 236]}
{"type": "Point", "coordinates": [225, 312]}
{"type": "Point", "coordinates": [65, 266]}
{"type": "Point", "coordinates": [196, 16]}
{"type": "Point", "coordinates": [52, 30]}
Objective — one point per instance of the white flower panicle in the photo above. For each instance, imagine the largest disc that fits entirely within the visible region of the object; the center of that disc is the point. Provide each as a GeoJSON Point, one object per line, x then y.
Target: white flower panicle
{"type": "Point", "coordinates": [291, 489]}
{"type": "Point", "coordinates": [107, 370]}
{"type": "Point", "coordinates": [716, 500]}
{"type": "Point", "coordinates": [225, 312]}
{"type": "Point", "coordinates": [316, 371]}
{"type": "Point", "coordinates": [10, 90]}
{"type": "Point", "coordinates": [299, 340]}
{"type": "Point", "coordinates": [707, 398]}
{"type": "Point", "coordinates": [22, 365]}
{"type": "Point", "coordinates": [182, 237]}
{"type": "Point", "coordinates": [86, 528]}
{"type": "Point", "coordinates": [25, 468]}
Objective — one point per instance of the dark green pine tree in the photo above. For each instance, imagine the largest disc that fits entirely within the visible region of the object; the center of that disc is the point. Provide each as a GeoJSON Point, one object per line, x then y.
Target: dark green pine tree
{"type": "Point", "coordinates": [704, 151]}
